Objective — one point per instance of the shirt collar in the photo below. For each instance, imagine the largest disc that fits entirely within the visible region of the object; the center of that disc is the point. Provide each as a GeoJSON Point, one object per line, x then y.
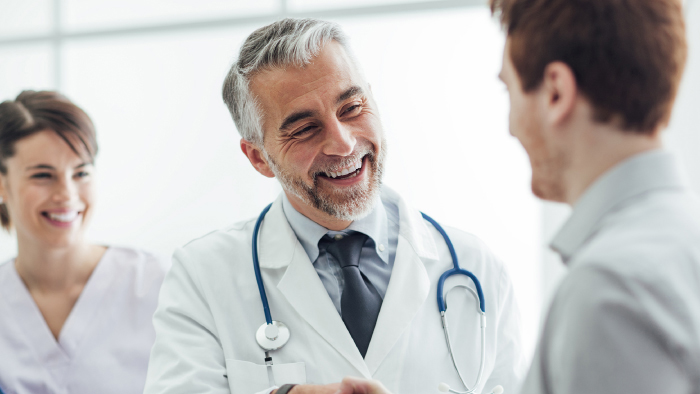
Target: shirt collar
{"type": "Point", "coordinates": [639, 174]}
{"type": "Point", "coordinates": [309, 232]}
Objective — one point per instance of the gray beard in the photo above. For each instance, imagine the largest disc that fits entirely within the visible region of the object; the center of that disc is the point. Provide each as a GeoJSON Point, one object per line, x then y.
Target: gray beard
{"type": "Point", "coordinates": [357, 203]}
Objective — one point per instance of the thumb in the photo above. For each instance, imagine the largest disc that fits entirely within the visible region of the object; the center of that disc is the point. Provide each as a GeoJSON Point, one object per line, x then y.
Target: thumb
{"type": "Point", "coordinates": [352, 385]}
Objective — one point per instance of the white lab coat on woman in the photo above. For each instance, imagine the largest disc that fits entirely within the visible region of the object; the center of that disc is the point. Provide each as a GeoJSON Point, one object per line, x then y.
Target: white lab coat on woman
{"type": "Point", "coordinates": [210, 309]}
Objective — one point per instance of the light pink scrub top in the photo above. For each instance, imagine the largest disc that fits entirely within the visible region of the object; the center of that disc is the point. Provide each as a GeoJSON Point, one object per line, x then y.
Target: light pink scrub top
{"type": "Point", "coordinates": [104, 344]}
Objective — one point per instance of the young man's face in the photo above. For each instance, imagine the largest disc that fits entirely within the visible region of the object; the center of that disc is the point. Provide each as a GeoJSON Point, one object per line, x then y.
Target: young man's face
{"type": "Point", "coordinates": [323, 138]}
{"type": "Point", "coordinates": [526, 122]}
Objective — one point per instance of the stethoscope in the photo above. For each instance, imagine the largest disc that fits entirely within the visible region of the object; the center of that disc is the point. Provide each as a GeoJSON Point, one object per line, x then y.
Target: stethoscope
{"type": "Point", "coordinates": [273, 334]}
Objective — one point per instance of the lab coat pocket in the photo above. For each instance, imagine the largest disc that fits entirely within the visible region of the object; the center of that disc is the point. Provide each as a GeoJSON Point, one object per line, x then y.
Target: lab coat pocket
{"type": "Point", "coordinates": [245, 377]}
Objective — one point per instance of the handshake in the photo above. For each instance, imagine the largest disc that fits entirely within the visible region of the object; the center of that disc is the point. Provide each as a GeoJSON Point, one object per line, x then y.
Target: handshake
{"type": "Point", "coordinates": [351, 385]}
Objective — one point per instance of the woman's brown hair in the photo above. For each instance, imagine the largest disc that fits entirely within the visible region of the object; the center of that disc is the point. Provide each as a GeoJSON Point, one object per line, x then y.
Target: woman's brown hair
{"type": "Point", "coordinates": [32, 112]}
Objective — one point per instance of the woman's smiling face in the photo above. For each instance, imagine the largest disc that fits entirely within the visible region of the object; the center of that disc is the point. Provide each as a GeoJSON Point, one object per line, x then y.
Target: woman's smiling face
{"type": "Point", "coordinates": [48, 190]}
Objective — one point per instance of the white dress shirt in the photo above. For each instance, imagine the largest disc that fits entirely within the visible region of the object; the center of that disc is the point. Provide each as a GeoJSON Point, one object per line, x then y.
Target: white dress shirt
{"type": "Point", "coordinates": [377, 256]}
{"type": "Point", "coordinates": [104, 344]}
{"type": "Point", "coordinates": [626, 319]}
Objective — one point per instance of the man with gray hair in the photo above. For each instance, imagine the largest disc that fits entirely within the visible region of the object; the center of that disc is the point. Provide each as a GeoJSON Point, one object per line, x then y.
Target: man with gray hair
{"type": "Point", "coordinates": [346, 267]}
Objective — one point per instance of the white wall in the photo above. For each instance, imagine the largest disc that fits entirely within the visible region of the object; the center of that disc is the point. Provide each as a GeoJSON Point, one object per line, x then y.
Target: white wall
{"type": "Point", "coordinates": [170, 168]}
{"type": "Point", "coordinates": [683, 135]}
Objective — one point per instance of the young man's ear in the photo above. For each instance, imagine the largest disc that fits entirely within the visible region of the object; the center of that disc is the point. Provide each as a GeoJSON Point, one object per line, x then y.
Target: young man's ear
{"type": "Point", "coordinates": [560, 92]}
{"type": "Point", "coordinates": [256, 158]}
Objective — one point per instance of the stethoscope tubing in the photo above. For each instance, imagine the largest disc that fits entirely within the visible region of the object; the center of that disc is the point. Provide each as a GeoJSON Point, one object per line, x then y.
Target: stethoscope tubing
{"type": "Point", "coordinates": [256, 266]}
{"type": "Point", "coordinates": [454, 271]}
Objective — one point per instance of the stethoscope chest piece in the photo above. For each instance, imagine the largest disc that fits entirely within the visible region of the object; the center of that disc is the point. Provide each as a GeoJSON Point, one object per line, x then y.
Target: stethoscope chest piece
{"type": "Point", "coordinates": [272, 336]}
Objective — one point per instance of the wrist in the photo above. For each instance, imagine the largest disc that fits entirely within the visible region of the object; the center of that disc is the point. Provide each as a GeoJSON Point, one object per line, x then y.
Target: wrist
{"type": "Point", "coordinates": [284, 389]}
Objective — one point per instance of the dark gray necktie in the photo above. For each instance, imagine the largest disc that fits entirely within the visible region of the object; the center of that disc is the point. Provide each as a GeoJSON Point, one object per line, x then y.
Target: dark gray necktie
{"type": "Point", "coordinates": [360, 301]}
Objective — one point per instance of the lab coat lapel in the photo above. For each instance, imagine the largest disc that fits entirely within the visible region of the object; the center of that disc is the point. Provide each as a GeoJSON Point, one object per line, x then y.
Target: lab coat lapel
{"type": "Point", "coordinates": [409, 285]}
{"type": "Point", "coordinates": [301, 286]}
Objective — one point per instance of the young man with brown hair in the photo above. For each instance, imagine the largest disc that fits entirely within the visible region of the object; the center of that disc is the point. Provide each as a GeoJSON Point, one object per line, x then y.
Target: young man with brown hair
{"type": "Point", "coordinates": [592, 84]}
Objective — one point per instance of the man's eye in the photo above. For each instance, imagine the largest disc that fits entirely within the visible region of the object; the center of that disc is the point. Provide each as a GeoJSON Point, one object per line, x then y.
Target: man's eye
{"type": "Point", "coordinates": [82, 174]}
{"type": "Point", "coordinates": [304, 130]}
{"type": "Point", "coordinates": [352, 108]}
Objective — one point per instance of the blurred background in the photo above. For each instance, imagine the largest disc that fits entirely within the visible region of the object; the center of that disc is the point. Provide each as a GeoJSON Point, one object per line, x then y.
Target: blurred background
{"type": "Point", "coordinates": [149, 73]}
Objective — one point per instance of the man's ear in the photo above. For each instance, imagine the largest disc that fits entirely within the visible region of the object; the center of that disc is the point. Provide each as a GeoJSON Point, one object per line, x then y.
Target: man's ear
{"type": "Point", "coordinates": [560, 93]}
{"type": "Point", "coordinates": [256, 157]}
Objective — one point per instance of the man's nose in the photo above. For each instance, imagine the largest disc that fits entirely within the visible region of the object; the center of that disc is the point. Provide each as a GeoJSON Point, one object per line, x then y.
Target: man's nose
{"type": "Point", "coordinates": [339, 139]}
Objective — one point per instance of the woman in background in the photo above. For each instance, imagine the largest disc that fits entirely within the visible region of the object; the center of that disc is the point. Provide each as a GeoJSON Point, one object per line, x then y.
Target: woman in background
{"type": "Point", "coordinates": [75, 317]}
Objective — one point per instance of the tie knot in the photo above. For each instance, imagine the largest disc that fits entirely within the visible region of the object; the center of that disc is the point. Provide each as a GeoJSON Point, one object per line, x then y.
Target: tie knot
{"type": "Point", "coordinates": [346, 249]}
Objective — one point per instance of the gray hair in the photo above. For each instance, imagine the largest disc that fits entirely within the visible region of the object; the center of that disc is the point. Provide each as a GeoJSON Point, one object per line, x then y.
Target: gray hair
{"type": "Point", "coordinates": [288, 42]}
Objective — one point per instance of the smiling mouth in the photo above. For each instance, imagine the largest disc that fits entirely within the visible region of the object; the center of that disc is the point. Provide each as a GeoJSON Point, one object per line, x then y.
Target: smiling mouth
{"type": "Point", "coordinates": [348, 172]}
{"type": "Point", "coordinates": [63, 217]}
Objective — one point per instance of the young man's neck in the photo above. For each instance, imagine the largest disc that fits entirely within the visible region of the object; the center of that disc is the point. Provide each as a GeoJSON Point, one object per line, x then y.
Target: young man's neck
{"type": "Point", "coordinates": [600, 148]}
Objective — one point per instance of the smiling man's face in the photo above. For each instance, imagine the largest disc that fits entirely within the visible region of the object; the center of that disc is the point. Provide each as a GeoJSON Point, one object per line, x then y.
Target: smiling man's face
{"type": "Point", "coordinates": [323, 139]}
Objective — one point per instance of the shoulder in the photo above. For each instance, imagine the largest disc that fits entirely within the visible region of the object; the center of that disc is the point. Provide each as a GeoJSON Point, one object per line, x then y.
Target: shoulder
{"type": "Point", "coordinates": [142, 269]}
{"type": "Point", "coordinates": [654, 240]}
{"type": "Point", "coordinates": [217, 254]}
{"type": "Point", "coordinates": [224, 241]}
{"type": "Point", "coordinates": [140, 259]}
{"type": "Point", "coordinates": [6, 266]}
{"type": "Point", "coordinates": [645, 258]}
{"type": "Point", "coordinates": [468, 241]}
{"type": "Point", "coordinates": [471, 248]}
{"type": "Point", "coordinates": [467, 245]}
{"type": "Point", "coordinates": [7, 273]}
{"type": "Point", "coordinates": [657, 304]}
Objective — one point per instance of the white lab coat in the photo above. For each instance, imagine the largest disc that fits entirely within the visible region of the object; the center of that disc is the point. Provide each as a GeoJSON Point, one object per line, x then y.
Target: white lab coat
{"type": "Point", "coordinates": [104, 344]}
{"type": "Point", "coordinates": [210, 310]}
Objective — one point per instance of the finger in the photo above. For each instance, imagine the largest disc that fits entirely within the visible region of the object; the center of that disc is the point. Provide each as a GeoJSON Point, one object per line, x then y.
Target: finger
{"type": "Point", "coordinates": [351, 385]}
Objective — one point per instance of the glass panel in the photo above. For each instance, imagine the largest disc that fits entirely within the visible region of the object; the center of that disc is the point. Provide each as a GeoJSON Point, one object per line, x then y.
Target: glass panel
{"type": "Point", "coordinates": [22, 67]}
{"type": "Point", "coordinates": [170, 167]}
{"type": "Point", "coordinates": [683, 136]}
{"type": "Point", "coordinates": [25, 67]}
{"type": "Point", "coordinates": [446, 117]}
{"type": "Point", "coordinates": [25, 17]}
{"type": "Point", "coordinates": [313, 5]}
{"type": "Point", "coordinates": [90, 14]}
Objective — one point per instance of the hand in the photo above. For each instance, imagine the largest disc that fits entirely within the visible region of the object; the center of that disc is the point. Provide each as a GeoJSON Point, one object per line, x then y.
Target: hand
{"type": "Point", "coordinates": [351, 385]}
{"type": "Point", "coordinates": [313, 389]}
